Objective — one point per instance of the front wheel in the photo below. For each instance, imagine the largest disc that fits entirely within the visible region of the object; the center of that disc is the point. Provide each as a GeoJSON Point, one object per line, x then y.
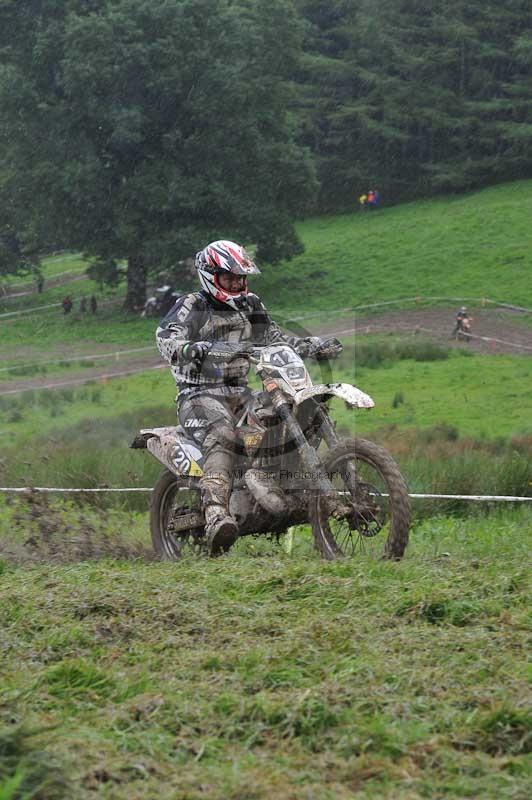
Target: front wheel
{"type": "Point", "coordinates": [176, 519]}
{"type": "Point", "coordinates": [370, 504]}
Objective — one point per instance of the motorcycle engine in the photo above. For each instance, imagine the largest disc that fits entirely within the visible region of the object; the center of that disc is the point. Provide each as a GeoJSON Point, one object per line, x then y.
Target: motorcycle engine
{"type": "Point", "coordinates": [241, 505]}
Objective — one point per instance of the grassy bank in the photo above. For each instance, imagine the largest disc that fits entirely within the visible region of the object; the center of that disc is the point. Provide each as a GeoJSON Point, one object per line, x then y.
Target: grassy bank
{"type": "Point", "coordinates": [267, 675]}
{"type": "Point", "coordinates": [414, 383]}
{"type": "Point", "coordinates": [54, 334]}
{"type": "Point", "coordinates": [471, 246]}
{"type": "Point", "coordinates": [430, 412]}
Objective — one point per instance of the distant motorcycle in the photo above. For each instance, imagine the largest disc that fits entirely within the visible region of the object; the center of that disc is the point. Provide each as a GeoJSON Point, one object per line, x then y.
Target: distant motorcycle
{"type": "Point", "coordinates": [160, 303]}
{"type": "Point", "coordinates": [349, 490]}
{"type": "Point", "coordinates": [462, 329]}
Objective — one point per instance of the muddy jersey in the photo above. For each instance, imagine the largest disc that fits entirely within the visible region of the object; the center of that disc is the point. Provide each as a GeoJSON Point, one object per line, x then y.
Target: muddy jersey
{"type": "Point", "coordinates": [198, 317]}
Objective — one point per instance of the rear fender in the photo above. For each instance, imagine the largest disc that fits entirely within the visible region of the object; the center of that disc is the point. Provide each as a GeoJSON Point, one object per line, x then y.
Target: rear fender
{"type": "Point", "coordinates": [349, 394]}
{"type": "Point", "coordinates": [173, 449]}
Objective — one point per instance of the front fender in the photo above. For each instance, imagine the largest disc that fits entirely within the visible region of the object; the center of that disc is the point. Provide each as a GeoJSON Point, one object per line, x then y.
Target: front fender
{"type": "Point", "coordinates": [350, 394]}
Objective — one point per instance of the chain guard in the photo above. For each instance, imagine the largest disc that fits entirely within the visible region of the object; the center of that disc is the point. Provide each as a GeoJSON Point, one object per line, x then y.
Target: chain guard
{"type": "Point", "coordinates": [185, 526]}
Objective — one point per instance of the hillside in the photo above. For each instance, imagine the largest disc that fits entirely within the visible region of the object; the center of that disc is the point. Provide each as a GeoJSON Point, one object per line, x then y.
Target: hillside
{"type": "Point", "coordinates": [469, 246]}
{"type": "Point", "coordinates": [472, 246]}
{"type": "Point", "coordinates": [270, 673]}
{"type": "Point", "coordinates": [67, 350]}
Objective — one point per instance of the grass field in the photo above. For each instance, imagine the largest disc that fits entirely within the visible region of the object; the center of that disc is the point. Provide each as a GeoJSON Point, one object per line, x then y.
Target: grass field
{"type": "Point", "coordinates": [471, 246]}
{"type": "Point", "coordinates": [269, 673]}
{"type": "Point", "coordinates": [430, 413]}
{"type": "Point", "coordinates": [272, 675]}
{"type": "Point", "coordinates": [421, 385]}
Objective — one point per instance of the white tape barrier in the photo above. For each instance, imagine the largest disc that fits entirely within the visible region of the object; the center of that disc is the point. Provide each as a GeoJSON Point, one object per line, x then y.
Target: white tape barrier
{"type": "Point", "coordinates": [484, 339]}
{"type": "Point", "coordinates": [470, 497]}
{"type": "Point", "coordinates": [408, 328]}
{"type": "Point", "coordinates": [56, 305]}
{"type": "Point", "coordinates": [365, 307]}
{"type": "Point", "coordinates": [398, 301]}
{"type": "Point", "coordinates": [92, 357]}
{"type": "Point", "coordinates": [30, 489]}
{"type": "Point", "coordinates": [499, 498]}
{"type": "Point", "coordinates": [511, 306]}
{"type": "Point", "coordinates": [379, 304]}
{"type": "Point", "coordinates": [86, 379]}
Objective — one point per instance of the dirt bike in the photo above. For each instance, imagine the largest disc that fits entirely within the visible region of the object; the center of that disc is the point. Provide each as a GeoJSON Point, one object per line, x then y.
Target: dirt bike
{"type": "Point", "coordinates": [462, 330]}
{"type": "Point", "coordinates": [160, 304]}
{"type": "Point", "coordinates": [291, 467]}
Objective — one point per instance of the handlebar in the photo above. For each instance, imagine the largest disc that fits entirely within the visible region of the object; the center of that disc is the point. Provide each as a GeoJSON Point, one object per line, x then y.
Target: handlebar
{"type": "Point", "coordinates": [225, 351]}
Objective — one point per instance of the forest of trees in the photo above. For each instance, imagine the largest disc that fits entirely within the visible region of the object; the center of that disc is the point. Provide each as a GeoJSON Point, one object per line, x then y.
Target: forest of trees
{"type": "Point", "coordinates": [136, 130]}
{"type": "Point", "coordinates": [416, 96]}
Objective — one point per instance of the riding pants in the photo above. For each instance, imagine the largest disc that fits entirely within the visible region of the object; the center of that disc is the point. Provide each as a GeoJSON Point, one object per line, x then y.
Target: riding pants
{"type": "Point", "coordinates": [210, 420]}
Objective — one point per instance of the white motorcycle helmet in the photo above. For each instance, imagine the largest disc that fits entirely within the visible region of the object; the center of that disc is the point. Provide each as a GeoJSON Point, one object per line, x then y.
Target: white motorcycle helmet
{"type": "Point", "coordinates": [225, 256]}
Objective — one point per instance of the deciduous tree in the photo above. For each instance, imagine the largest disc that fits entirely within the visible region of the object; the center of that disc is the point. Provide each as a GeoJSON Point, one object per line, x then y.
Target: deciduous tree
{"type": "Point", "coordinates": [140, 129]}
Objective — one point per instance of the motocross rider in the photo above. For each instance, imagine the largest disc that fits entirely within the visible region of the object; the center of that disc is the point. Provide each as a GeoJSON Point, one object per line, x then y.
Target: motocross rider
{"type": "Point", "coordinates": [210, 398]}
{"type": "Point", "coordinates": [462, 316]}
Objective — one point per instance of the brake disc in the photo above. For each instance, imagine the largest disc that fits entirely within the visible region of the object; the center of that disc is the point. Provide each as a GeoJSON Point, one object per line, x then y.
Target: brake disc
{"type": "Point", "coordinates": [368, 515]}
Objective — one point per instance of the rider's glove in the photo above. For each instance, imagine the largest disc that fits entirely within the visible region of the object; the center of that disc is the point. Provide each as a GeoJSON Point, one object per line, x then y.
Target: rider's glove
{"type": "Point", "coordinates": [196, 352]}
{"type": "Point", "coordinates": [328, 348]}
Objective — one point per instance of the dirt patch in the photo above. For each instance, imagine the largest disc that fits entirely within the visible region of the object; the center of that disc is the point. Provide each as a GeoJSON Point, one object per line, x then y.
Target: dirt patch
{"type": "Point", "coordinates": [494, 330]}
{"type": "Point", "coordinates": [43, 531]}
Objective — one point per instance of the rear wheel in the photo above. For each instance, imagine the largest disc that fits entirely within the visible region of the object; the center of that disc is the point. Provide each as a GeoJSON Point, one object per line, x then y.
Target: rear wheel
{"type": "Point", "coordinates": [371, 508]}
{"type": "Point", "coordinates": [176, 518]}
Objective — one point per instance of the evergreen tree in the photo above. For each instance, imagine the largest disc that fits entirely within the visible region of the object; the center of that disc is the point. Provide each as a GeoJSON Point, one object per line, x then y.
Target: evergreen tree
{"type": "Point", "coordinates": [416, 96]}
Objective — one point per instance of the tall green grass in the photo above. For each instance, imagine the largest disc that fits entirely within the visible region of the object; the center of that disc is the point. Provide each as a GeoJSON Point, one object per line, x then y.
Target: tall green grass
{"type": "Point", "coordinates": [430, 413]}
{"type": "Point", "coordinates": [264, 674]}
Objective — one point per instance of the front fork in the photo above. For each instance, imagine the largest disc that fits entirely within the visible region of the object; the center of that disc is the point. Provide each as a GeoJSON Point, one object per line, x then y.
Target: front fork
{"type": "Point", "coordinates": [326, 428]}
{"type": "Point", "coordinates": [307, 453]}
{"type": "Point", "coordinates": [331, 437]}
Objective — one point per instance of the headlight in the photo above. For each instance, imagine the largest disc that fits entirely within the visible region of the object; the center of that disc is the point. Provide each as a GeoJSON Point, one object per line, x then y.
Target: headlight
{"type": "Point", "coordinates": [295, 373]}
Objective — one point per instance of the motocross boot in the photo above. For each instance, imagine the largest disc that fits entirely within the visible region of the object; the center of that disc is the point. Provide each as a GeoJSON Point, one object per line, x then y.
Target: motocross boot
{"type": "Point", "coordinates": [221, 530]}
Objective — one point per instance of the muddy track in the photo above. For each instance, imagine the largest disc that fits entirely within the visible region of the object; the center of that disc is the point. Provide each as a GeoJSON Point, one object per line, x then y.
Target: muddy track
{"type": "Point", "coordinates": [503, 331]}
{"type": "Point", "coordinates": [50, 283]}
{"type": "Point", "coordinates": [76, 377]}
{"type": "Point", "coordinates": [494, 330]}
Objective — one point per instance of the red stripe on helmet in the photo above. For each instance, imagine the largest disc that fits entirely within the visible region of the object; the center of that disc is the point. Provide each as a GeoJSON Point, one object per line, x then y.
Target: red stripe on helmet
{"type": "Point", "coordinates": [216, 257]}
{"type": "Point", "coordinates": [238, 255]}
